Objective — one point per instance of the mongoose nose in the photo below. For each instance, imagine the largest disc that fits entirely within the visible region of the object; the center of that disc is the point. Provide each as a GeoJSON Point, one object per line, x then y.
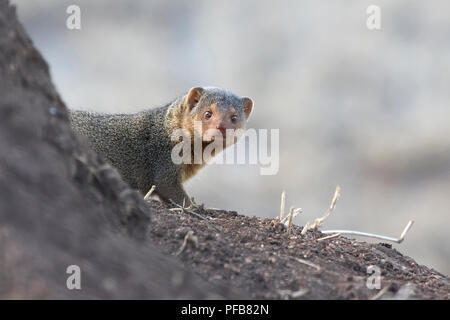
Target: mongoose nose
{"type": "Point", "coordinates": [222, 129]}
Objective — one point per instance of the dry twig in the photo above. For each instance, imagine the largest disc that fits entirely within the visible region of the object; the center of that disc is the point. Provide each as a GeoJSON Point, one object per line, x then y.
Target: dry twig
{"type": "Point", "coordinates": [183, 209]}
{"type": "Point", "coordinates": [371, 235]}
{"type": "Point", "coordinates": [329, 237]}
{"type": "Point", "coordinates": [291, 213]}
{"type": "Point", "coordinates": [288, 294]}
{"type": "Point", "coordinates": [296, 212]}
{"type": "Point", "coordinates": [305, 228]}
{"type": "Point", "coordinates": [306, 262]}
{"type": "Point", "coordinates": [318, 222]}
{"type": "Point", "coordinates": [380, 293]}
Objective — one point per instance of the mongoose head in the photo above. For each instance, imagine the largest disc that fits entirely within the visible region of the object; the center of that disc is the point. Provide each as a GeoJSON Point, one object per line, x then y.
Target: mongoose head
{"type": "Point", "coordinates": [217, 110]}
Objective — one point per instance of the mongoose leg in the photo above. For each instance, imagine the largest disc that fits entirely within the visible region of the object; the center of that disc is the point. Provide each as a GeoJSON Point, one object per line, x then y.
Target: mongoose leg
{"type": "Point", "coordinates": [174, 192]}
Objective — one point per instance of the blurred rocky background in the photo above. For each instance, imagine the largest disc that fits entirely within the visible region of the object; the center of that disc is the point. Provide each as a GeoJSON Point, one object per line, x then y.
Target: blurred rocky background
{"type": "Point", "coordinates": [368, 110]}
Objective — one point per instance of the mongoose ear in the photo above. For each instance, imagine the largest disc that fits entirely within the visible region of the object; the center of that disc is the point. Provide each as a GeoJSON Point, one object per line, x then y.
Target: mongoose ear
{"type": "Point", "coordinates": [193, 97]}
{"type": "Point", "coordinates": [248, 106]}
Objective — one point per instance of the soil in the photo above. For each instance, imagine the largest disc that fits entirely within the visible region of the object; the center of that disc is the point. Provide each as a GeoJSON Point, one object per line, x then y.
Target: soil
{"type": "Point", "coordinates": [259, 257]}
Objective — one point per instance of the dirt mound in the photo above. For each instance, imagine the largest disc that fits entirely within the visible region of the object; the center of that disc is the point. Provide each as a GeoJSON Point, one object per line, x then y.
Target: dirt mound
{"type": "Point", "coordinates": [258, 256]}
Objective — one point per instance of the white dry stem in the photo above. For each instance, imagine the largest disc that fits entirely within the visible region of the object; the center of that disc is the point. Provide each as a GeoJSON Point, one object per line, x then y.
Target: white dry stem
{"type": "Point", "coordinates": [288, 294]}
{"type": "Point", "coordinates": [285, 220]}
{"type": "Point", "coordinates": [283, 202]}
{"type": "Point", "coordinates": [371, 235]}
{"type": "Point", "coordinates": [149, 193]}
{"type": "Point", "coordinates": [380, 293]}
{"type": "Point", "coordinates": [318, 222]}
{"type": "Point", "coordinates": [183, 209]}
{"type": "Point", "coordinates": [188, 238]}
{"type": "Point", "coordinates": [291, 213]}
{"type": "Point", "coordinates": [306, 262]}
{"type": "Point", "coordinates": [305, 228]}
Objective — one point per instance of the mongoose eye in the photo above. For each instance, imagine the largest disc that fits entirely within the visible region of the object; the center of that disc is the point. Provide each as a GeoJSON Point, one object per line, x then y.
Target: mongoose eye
{"type": "Point", "coordinates": [208, 115]}
{"type": "Point", "coordinates": [234, 118]}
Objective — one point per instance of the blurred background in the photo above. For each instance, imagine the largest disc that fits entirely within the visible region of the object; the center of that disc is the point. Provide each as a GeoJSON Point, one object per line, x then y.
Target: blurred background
{"type": "Point", "coordinates": [366, 110]}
